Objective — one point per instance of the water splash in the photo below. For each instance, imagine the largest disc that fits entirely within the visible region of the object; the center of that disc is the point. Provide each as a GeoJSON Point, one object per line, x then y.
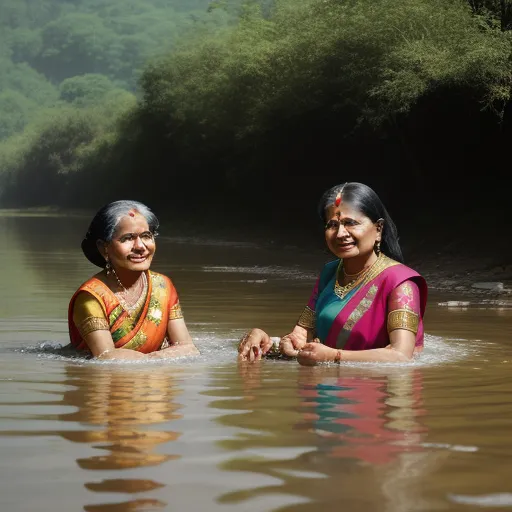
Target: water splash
{"type": "Point", "coordinates": [216, 348]}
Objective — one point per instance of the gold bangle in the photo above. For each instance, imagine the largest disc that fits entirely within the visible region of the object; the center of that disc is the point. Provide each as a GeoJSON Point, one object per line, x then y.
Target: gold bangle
{"type": "Point", "coordinates": [307, 318]}
{"type": "Point", "coordinates": [403, 319]}
{"type": "Point", "coordinates": [92, 324]}
{"type": "Point", "coordinates": [339, 356]}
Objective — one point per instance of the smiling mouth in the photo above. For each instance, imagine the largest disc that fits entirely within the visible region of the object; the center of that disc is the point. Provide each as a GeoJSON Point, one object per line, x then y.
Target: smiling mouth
{"type": "Point", "coordinates": [346, 245]}
{"type": "Point", "coordinates": [137, 259]}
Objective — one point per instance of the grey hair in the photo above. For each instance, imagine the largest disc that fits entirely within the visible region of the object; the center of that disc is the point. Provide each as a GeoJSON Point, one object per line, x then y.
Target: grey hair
{"type": "Point", "coordinates": [105, 222]}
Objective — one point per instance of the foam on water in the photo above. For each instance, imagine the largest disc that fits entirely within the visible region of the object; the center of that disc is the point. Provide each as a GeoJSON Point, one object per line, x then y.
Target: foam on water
{"type": "Point", "coordinates": [216, 349]}
{"type": "Point", "coordinates": [501, 499]}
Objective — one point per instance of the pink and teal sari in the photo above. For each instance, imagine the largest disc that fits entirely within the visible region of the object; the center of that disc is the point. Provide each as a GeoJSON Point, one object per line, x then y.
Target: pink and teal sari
{"type": "Point", "coordinates": [358, 320]}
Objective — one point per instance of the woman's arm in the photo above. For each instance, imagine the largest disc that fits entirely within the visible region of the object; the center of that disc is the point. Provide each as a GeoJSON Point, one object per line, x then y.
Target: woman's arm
{"type": "Point", "coordinates": [180, 341]}
{"type": "Point", "coordinates": [400, 350]}
{"type": "Point", "coordinates": [91, 321]}
{"type": "Point", "coordinates": [101, 345]}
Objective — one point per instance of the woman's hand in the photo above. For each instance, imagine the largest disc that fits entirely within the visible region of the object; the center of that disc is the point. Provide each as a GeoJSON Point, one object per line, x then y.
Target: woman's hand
{"type": "Point", "coordinates": [315, 353]}
{"type": "Point", "coordinates": [253, 345]}
{"type": "Point", "coordinates": [292, 343]}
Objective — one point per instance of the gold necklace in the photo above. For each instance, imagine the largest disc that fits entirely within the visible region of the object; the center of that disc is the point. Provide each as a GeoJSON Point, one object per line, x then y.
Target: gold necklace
{"type": "Point", "coordinates": [131, 308]}
{"type": "Point", "coordinates": [342, 290]}
{"type": "Point", "coordinates": [352, 275]}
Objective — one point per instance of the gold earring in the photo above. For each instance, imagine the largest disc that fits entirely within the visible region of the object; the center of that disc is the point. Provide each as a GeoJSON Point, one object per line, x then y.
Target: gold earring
{"type": "Point", "coordinates": [108, 266]}
{"type": "Point", "coordinates": [377, 247]}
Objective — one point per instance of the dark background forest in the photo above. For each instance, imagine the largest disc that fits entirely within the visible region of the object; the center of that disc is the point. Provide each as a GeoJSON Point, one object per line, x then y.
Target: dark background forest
{"type": "Point", "coordinates": [244, 112]}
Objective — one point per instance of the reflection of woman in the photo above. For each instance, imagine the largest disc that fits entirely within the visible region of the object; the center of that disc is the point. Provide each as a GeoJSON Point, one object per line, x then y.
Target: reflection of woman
{"type": "Point", "coordinates": [366, 305]}
{"type": "Point", "coordinates": [126, 311]}
{"type": "Point", "coordinates": [370, 417]}
{"type": "Point", "coordinates": [128, 409]}
{"type": "Point", "coordinates": [356, 427]}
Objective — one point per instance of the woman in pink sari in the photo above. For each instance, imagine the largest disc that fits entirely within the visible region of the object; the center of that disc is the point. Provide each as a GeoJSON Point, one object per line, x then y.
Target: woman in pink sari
{"type": "Point", "coordinates": [366, 306]}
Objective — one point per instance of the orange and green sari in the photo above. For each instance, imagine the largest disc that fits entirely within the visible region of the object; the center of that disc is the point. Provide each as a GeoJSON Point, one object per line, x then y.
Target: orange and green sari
{"type": "Point", "coordinates": [143, 330]}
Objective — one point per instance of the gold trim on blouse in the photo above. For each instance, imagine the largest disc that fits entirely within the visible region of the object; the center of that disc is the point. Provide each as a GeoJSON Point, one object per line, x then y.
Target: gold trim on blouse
{"type": "Point", "coordinates": [175, 312]}
{"type": "Point", "coordinates": [307, 318]}
{"type": "Point", "coordinates": [92, 324]}
{"type": "Point", "coordinates": [403, 319]}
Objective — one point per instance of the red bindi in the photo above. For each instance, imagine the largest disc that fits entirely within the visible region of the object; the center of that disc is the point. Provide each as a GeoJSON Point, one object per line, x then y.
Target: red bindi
{"type": "Point", "coordinates": [131, 214]}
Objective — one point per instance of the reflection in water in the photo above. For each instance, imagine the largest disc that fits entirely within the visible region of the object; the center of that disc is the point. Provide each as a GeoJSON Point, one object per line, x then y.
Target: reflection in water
{"type": "Point", "coordinates": [118, 405]}
{"type": "Point", "coordinates": [367, 417]}
{"type": "Point", "coordinates": [350, 425]}
{"type": "Point", "coordinates": [122, 401]}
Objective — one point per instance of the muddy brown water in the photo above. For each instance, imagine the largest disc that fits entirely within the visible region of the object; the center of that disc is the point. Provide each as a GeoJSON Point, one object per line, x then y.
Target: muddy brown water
{"type": "Point", "coordinates": [208, 433]}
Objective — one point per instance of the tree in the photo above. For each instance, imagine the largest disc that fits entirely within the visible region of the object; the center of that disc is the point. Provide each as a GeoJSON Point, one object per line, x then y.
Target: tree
{"type": "Point", "coordinates": [15, 112]}
{"type": "Point", "coordinates": [85, 89]}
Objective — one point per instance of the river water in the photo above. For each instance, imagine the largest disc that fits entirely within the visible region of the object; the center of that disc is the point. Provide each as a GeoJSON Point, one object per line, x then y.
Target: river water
{"type": "Point", "coordinates": [212, 434]}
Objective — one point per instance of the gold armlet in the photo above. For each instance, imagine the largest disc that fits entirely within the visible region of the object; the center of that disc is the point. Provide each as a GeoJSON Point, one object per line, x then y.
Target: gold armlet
{"type": "Point", "coordinates": [403, 319]}
{"type": "Point", "coordinates": [92, 324]}
{"type": "Point", "coordinates": [175, 312]}
{"type": "Point", "coordinates": [307, 318]}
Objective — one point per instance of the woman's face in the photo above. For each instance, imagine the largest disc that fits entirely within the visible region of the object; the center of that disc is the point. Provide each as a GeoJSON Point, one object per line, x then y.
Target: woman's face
{"type": "Point", "coordinates": [132, 246]}
{"type": "Point", "coordinates": [349, 233]}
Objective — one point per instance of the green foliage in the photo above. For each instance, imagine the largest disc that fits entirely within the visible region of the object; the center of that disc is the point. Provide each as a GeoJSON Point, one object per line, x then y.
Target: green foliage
{"type": "Point", "coordinates": [61, 39]}
{"type": "Point", "coordinates": [56, 147]}
{"type": "Point", "coordinates": [15, 111]}
{"type": "Point", "coordinates": [215, 98]}
{"type": "Point", "coordinates": [495, 12]}
{"type": "Point", "coordinates": [23, 92]}
{"type": "Point", "coordinates": [24, 43]}
{"type": "Point", "coordinates": [377, 57]}
{"type": "Point", "coordinates": [25, 80]}
{"type": "Point", "coordinates": [85, 89]}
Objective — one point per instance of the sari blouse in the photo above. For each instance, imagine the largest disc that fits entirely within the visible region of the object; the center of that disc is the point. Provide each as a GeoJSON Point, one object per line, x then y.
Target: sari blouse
{"type": "Point", "coordinates": [95, 307]}
{"type": "Point", "coordinates": [390, 296]}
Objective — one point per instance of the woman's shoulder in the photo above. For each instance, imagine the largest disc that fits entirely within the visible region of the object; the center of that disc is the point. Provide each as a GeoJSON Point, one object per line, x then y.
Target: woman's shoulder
{"type": "Point", "coordinates": [399, 272]}
{"type": "Point", "coordinates": [158, 279]}
{"type": "Point", "coordinates": [94, 288]}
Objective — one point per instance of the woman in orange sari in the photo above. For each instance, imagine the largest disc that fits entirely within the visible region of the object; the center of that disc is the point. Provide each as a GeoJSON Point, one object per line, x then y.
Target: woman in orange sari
{"type": "Point", "coordinates": [126, 311]}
